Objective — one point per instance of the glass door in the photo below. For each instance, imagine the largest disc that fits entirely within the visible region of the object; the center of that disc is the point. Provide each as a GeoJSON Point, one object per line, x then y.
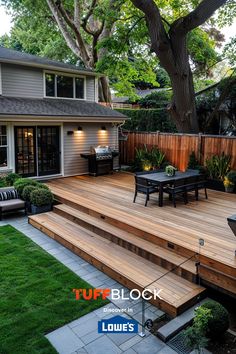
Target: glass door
{"type": "Point", "coordinates": [48, 150]}
{"type": "Point", "coordinates": [25, 151]}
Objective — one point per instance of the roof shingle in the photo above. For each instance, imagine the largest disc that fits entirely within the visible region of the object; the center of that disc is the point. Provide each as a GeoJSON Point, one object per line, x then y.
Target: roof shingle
{"type": "Point", "coordinates": [55, 107]}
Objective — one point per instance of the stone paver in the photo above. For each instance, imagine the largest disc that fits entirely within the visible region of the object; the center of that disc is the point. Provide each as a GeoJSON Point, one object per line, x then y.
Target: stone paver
{"type": "Point", "coordinates": [80, 336]}
{"type": "Point", "coordinates": [65, 340]}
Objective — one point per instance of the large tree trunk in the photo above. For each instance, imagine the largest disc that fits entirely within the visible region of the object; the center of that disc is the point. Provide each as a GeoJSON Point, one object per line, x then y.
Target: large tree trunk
{"type": "Point", "coordinates": [171, 49]}
{"type": "Point", "coordinates": [104, 92]}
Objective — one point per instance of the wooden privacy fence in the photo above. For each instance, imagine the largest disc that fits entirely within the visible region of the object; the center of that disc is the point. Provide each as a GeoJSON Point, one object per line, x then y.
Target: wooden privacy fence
{"type": "Point", "coordinates": [178, 147]}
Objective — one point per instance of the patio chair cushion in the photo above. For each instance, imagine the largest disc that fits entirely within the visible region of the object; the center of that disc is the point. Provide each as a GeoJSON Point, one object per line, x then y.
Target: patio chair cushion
{"type": "Point", "coordinates": [8, 194]}
{"type": "Point", "coordinates": [12, 204]}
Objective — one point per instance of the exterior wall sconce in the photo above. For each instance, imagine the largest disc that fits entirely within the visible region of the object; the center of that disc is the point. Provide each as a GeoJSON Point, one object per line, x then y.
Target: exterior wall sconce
{"type": "Point", "coordinates": [70, 132]}
{"type": "Point", "coordinates": [80, 129]}
{"type": "Point", "coordinates": [103, 128]}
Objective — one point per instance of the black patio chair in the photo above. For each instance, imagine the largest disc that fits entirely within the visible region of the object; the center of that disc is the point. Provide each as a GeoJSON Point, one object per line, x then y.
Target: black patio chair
{"type": "Point", "coordinates": [201, 184]}
{"type": "Point", "coordinates": [177, 188]}
{"type": "Point", "coordinates": [144, 187]}
{"type": "Point", "coordinates": [191, 185]}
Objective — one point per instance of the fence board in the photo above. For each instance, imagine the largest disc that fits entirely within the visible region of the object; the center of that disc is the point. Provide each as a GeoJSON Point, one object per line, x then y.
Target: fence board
{"type": "Point", "coordinates": [178, 147]}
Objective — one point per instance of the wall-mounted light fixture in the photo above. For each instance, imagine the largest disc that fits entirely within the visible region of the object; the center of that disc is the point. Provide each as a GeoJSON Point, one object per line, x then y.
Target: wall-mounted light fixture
{"type": "Point", "coordinates": [80, 129]}
{"type": "Point", "coordinates": [70, 132]}
{"type": "Point", "coordinates": [103, 128]}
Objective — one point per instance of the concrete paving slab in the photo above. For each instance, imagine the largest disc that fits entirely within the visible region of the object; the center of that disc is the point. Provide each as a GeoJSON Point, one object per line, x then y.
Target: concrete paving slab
{"type": "Point", "coordinates": [102, 345]}
{"type": "Point", "coordinates": [64, 340]}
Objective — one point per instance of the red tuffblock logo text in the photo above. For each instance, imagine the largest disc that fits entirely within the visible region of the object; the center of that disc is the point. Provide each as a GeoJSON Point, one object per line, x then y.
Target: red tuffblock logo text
{"type": "Point", "coordinates": [117, 294]}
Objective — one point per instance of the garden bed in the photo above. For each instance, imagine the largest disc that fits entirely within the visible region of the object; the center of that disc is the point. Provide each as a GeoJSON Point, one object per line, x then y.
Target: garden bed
{"type": "Point", "coordinates": [36, 295]}
{"type": "Point", "coordinates": [226, 344]}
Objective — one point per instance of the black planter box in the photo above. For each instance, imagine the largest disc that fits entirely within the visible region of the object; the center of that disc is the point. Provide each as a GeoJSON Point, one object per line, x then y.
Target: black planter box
{"type": "Point", "coordinates": [42, 209]}
{"type": "Point", "coordinates": [216, 185]}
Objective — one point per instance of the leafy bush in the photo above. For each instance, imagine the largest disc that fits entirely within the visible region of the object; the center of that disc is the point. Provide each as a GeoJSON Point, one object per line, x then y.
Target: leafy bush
{"type": "Point", "coordinates": [27, 192]}
{"type": "Point", "coordinates": [195, 336]}
{"type": "Point", "coordinates": [148, 120]}
{"type": "Point", "coordinates": [219, 322]}
{"type": "Point", "coordinates": [218, 166]}
{"type": "Point", "coordinates": [3, 182]}
{"type": "Point", "coordinates": [193, 162]}
{"type": "Point", "coordinates": [21, 183]}
{"type": "Point", "coordinates": [148, 159]}
{"type": "Point", "coordinates": [41, 196]}
{"type": "Point", "coordinates": [11, 178]}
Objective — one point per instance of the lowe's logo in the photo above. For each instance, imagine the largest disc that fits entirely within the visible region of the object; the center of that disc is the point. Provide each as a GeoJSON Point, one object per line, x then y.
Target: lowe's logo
{"type": "Point", "coordinates": [117, 324]}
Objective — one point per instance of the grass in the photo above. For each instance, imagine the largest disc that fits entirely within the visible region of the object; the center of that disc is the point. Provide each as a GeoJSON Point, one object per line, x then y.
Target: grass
{"type": "Point", "coordinates": [35, 295]}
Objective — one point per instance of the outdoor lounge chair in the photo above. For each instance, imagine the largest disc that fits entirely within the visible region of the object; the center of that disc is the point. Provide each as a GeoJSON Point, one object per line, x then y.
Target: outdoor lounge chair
{"type": "Point", "coordinates": [144, 187]}
{"type": "Point", "coordinates": [9, 201]}
{"type": "Point", "coordinates": [201, 184]}
{"type": "Point", "coordinates": [178, 188]}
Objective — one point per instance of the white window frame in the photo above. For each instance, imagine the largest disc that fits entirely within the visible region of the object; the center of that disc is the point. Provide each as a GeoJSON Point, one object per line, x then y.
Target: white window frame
{"type": "Point", "coordinates": [7, 147]}
{"type": "Point", "coordinates": [0, 79]}
{"type": "Point", "coordinates": [58, 73]}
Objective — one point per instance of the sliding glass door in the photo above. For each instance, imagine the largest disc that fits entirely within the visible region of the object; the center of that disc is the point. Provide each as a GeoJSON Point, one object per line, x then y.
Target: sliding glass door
{"type": "Point", "coordinates": [48, 151]}
{"type": "Point", "coordinates": [25, 151]}
{"type": "Point", "coordinates": [37, 150]}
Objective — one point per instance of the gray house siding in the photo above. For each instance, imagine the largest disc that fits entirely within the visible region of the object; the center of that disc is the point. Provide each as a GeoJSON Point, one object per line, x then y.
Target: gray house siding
{"type": "Point", "coordinates": [80, 142]}
{"type": "Point", "coordinates": [20, 81]}
{"type": "Point", "coordinates": [90, 88]}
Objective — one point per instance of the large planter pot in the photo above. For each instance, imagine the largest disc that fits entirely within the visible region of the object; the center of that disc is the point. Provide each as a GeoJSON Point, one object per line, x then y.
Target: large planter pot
{"type": "Point", "coordinates": [40, 209]}
{"type": "Point", "coordinates": [229, 189]}
{"type": "Point", "coordinates": [216, 185]}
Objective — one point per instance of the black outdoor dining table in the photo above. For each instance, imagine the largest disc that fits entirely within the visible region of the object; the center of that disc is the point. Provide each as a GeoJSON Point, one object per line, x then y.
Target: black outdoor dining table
{"type": "Point", "coordinates": [161, 179]}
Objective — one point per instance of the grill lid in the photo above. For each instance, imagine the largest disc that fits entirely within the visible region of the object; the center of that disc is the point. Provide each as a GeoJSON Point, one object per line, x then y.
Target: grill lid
{"type": "Point", "coordinates": [101, 150]}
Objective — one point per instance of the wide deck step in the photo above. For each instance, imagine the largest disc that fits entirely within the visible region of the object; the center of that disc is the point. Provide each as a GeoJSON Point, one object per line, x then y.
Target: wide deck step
{"type": "Point", "coordinates": [121, 264]}
{"type": "Point", "coordinates": [167, 259]}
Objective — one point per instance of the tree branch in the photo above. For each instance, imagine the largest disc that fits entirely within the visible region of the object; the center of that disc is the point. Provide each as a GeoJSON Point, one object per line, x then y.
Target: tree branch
{"type": "Point", "coordinates": [198, 16]}
{"type": "Point", "coordinates": [63, 28]}
{"type": "Point", "coordinates": [159, 38]}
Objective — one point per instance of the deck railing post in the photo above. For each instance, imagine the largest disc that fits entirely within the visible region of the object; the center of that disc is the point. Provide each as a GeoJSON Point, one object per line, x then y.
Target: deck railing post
{"type": "Point", "coordinates": [142, 333]}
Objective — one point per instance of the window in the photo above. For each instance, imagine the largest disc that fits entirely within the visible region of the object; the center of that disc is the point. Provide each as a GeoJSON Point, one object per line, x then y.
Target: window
{"type": "Point", "coordinates": [64, 86]}
{"type": "Point", "coordinates": [3, 146]}
{"type": "Point", "coordinates": [79, 87]}
{"type": "Point", "coordinates": [50, 85]}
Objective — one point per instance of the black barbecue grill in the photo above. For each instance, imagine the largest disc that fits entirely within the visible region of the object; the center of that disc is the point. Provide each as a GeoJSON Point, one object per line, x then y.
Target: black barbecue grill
{"type": "Point", "coordinates": [100, 160]}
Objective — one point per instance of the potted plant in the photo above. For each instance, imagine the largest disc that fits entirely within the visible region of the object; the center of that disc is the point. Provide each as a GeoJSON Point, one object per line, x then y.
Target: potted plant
{"type": "Point", "coordinates": [170, 170]}
{"type": "Point", "coordinates": [26, 196]}
{"type": "Point", "coordinates": [230, 181]}
{"type": "Point", "coordinates": [218, 167]}
{"type": "Point", "coordinates": [41, 200]}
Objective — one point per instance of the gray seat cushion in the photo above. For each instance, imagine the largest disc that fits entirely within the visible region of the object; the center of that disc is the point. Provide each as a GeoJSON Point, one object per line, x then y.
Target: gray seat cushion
{"type": "Point", "coordinates": [12, 204]}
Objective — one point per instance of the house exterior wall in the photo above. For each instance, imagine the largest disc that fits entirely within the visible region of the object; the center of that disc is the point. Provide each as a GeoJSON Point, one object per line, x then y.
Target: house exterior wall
{"type": "Point", "coordinates": [80, 142]}
{"type": "Point", "coordinates": [20, 81]}
{"type": "Point", "coordinates": [90, 88]}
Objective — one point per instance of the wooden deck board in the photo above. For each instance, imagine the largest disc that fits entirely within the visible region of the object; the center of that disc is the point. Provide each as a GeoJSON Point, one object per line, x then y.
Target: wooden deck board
{"type": "Point", "coordinates": [184, 225]}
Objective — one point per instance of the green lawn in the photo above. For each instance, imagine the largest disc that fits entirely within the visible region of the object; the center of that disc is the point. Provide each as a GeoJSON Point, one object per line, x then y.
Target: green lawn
{"type": "Point", "coordinates": [35, 295]}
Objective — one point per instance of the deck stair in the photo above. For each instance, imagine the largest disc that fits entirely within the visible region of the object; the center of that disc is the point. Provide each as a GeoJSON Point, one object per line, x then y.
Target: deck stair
{"type": "Point", "coordinates": [131, 260]}
{"type": "Point", "coordinates": [167, 259]}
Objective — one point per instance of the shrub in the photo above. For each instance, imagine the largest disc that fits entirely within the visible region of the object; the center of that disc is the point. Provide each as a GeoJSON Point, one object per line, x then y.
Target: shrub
{"type": "Point", "coordinates": [3, 182]}
{"type": "Point", "coordinates": [11, 178]}
{"type": "Point", "coordinates": [195, 336]}
{"type": "Point", "coordinates": [219, 322]}
{"type": "Point", "coordinates": [21, 183]}
{"type": "Point", "coordinates": [41, 196]}
{"type": "Point", "coordinates": [27, 192]}
{"type": "Point", "coordinates": [218, 166]}
{"type": "Point", "coordinates": [193, 161]}
{"type": "Point", "coordinates": [148, 120]}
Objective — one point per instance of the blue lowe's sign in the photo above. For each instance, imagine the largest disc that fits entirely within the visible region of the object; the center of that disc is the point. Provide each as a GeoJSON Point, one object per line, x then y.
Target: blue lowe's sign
{"type": "Point", "coordinates": [117, 324]}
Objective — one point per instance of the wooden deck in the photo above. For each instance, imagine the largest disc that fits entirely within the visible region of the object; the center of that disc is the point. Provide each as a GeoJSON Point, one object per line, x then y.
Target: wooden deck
{"type": "Point", "coordinates": [154, 240]}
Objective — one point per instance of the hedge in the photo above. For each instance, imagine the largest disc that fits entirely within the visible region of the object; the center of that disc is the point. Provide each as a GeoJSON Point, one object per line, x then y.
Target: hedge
{"type": "Point", "coordinates": [148, 120]}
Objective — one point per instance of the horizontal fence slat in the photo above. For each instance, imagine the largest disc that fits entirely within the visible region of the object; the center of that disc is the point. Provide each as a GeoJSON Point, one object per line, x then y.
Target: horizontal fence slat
{"type": "Point", "coordinates": [178, 147]}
